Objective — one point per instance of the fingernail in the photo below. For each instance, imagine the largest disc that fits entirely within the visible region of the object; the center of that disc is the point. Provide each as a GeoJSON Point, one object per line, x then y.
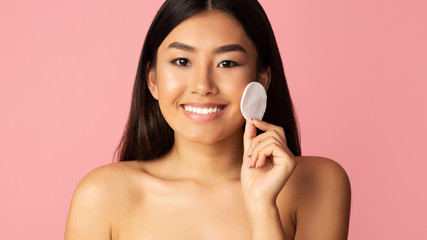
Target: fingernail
{"type": "Point", "coordinates": [249, 151]}
{"type": "Point", "coordinates": [253, 161]}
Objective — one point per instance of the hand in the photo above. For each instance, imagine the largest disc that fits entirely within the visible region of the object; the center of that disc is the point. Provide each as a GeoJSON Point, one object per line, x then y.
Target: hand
{"type": "Point", "coordinates": [267, 162]}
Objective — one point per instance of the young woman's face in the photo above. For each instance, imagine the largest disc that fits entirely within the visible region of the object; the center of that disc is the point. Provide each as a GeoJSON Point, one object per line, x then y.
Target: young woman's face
{"type": "Point", "coordinates": [202, 68]}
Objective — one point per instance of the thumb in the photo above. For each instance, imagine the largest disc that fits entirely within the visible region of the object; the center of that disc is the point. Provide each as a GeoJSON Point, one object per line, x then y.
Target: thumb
{"type": "Point", "coordinates": [249, 134]}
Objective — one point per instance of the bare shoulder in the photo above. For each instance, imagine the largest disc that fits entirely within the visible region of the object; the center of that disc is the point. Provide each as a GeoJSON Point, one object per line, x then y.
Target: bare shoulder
{"type": "Point", "coordinates": [317, 178]}
{"type": "Point", "coordinates": [110, 173]}
{"type": "Point", "coordinates": [104, 181]}
{"type": "Point", "coordinates": [322, 169]}
{"type": "Point", "coordinates": [107, 183]}
{"type": "Point", "coordinates": [95, 201]}
{"type": "Point", "coordinates": [322, 192]}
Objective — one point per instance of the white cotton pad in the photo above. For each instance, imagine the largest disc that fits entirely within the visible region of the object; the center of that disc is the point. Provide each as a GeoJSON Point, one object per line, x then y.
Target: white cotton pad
{"type": "Point", "coordinates": [254, 101]}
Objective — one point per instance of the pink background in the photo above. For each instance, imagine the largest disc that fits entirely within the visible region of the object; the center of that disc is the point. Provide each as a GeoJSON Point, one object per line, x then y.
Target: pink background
{"type": "Point", "coordinates": [356, 71]}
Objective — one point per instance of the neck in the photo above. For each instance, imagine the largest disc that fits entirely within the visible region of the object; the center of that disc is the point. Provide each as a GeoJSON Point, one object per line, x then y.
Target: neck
{"type": "Point", "coordinates": [208, 163]}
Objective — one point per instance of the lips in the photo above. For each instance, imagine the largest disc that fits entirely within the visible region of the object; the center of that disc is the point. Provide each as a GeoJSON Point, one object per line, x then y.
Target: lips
{"type": "Point", "coordinates": [201, 110]}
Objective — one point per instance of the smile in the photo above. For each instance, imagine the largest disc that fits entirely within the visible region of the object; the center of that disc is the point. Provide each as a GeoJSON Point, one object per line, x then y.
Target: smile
{"type": "Point", "coordinates": [198, 110]}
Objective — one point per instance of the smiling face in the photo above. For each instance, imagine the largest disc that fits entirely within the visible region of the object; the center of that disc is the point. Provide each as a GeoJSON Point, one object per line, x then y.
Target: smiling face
{"type": "Point", "coordinates": [202, 69]}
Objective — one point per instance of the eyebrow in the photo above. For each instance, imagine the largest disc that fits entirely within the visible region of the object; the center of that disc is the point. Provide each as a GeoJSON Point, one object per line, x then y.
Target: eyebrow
{"type": "Point", "coordinates": [182, 46]}
{"type": "Point", "coordinates": [222, 49]}
{"type": "Point", "coordinates": [230, 48]}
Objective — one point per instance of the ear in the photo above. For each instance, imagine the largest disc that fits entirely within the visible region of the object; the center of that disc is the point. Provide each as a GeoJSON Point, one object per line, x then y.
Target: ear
{"type": "Point", "coordinates": [152, 81]}
{"type": "Point", "coordinates": [264, 77]}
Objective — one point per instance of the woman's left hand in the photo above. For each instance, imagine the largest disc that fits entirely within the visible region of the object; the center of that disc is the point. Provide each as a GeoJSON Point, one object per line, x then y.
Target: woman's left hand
{"type": "Point", "coordinates": [267, 162]}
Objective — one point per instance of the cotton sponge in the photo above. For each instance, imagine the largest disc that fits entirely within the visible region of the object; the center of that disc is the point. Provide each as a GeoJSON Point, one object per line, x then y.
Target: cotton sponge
{"type": "Point", "coordinates": [254, 101]}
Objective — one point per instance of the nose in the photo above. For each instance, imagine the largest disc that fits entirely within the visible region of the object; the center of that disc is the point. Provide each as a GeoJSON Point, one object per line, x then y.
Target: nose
{"type": "Point", "coordinates": [202, 82]}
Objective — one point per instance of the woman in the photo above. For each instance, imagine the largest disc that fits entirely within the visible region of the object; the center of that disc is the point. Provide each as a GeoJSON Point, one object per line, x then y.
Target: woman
{"type": "Point", "coordinates": [190, 166]}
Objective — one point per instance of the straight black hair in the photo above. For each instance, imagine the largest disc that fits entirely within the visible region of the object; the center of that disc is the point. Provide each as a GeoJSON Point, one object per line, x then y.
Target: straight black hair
{"type": "Point", "coordinates": [147, 134]}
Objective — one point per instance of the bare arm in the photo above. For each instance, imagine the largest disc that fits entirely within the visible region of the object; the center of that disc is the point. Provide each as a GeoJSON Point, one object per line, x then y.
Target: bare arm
{"type": "Point", "coordinates": [322, 188]}
{"type": "Point", "coordinates": [265, 221]}
{"type": "Point", "coordinates": [89, 214]}
{"type": "Point", "coordinates": [323, 197]}
{"type": "Point", "coordinates": [267, 166]}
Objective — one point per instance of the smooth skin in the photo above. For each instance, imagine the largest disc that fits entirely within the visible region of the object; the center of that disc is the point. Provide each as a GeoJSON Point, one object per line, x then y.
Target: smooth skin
{"type": "Point", "coordinates": [218, 181]}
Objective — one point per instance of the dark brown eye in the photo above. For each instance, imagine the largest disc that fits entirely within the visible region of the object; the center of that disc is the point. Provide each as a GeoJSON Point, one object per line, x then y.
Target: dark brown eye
{"type": "Point", "coordinates": [227, 64]}
{"type": "Point", "coordinates": [181, 62]}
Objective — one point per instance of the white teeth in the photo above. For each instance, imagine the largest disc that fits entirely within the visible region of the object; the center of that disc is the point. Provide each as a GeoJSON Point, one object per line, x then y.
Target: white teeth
{"type": "Point", "coordinates": [201, 110]}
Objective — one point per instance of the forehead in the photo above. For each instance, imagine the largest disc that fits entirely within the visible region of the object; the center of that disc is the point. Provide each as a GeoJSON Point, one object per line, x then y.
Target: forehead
{"type": "Point", "coordinates": [209, 30]}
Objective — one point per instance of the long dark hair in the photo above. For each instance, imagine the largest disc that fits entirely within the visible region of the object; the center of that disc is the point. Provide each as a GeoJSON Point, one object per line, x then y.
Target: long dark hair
{"type": "Point", "coordinates": [147, 134]}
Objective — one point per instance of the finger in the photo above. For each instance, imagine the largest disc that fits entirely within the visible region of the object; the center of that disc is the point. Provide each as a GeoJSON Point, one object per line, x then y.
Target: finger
{"type": "Point", "coordinates": [249, 134]}
{"type": "Point", "coordinates": [265, 126]}
{"type": "Point", "coordinates": [263, 136]}
{"type": "Point", "coordinates": [260, 146]}
{"type": "Point", "coordinates": [275, 152]}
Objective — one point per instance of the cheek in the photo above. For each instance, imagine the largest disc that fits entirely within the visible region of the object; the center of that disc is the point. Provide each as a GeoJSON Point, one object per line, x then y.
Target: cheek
{"type": "Point", "coordinates": [235, 83]}
{"type": "Point", "coordinates": [234, 91]}
{"type": "Point", "coordinates": [170, 83]}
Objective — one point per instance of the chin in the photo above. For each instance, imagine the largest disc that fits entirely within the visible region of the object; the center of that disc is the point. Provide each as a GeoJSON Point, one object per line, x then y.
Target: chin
{"type": "Point", "coordinates": [209, 137]}
{"type": "Point", "coordinates": [203, 138]}
{"type": "Point", "coordinates": [207, 133]}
